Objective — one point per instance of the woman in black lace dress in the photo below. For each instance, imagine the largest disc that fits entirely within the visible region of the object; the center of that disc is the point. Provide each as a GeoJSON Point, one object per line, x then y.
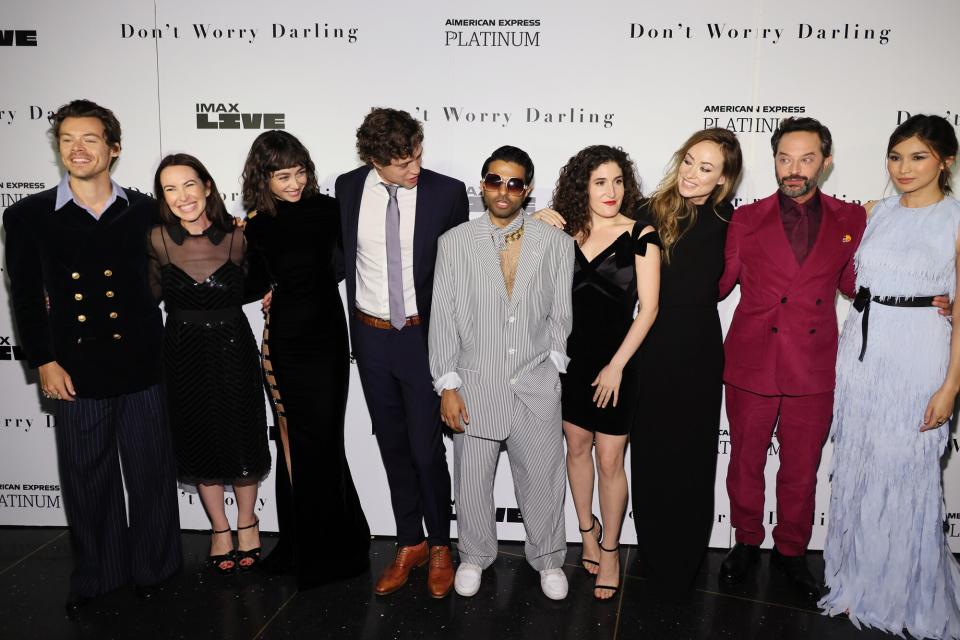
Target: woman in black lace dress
{"type": "Point", "coordinates": [211, 365]}
{"type": "Point", "coordinates": [674, 440]}
{"type": "Point", "coordinates": [323, 532]}
{"type": "Point", "coordinates": [617, 263]}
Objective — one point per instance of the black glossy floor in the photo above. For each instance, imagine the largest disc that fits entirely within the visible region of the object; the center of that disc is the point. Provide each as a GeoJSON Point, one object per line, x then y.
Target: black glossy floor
{"type": "Point", "coordinates": [35, 564]}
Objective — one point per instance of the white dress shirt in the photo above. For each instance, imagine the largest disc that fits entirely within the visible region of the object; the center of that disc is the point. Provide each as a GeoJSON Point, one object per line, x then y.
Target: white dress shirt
{"type": "Point", "coordinates": [372, 293]}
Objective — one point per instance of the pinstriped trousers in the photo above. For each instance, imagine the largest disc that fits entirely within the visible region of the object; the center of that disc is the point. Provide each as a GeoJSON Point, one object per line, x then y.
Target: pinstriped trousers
{"type": "Point", "coordinates": [94, 436]}
{"type": "Point", "coordinates": [538, 466]}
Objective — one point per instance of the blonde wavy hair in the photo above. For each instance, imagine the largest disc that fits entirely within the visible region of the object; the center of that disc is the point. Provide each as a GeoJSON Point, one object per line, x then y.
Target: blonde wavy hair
{"type": "Point", "coordinates": [673, 214]}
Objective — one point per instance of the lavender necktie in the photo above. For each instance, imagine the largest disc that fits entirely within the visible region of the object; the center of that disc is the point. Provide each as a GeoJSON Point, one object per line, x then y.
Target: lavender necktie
{"type": "Point", "coordinates": [398, 317]}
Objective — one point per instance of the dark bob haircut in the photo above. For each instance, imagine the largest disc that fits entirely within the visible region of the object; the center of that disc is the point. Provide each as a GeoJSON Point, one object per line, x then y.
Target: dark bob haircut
{"type": "Point", "coordinates": [272, 151]}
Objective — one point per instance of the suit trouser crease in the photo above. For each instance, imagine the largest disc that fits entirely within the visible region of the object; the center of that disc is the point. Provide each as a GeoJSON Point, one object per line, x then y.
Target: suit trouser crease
{"type": "Point", "coordinates": [405, 411]}
{"type": "Point", "coordinates": [803, 423]}
{"type": "Point", "coordinates": [94, 436]}
{"type": "Point", "coordinates": [537, 463]}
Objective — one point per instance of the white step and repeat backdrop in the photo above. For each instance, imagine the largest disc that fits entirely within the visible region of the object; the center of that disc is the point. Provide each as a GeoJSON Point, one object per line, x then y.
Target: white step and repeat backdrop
{"type": "Point", "coordinates": [207, 77]}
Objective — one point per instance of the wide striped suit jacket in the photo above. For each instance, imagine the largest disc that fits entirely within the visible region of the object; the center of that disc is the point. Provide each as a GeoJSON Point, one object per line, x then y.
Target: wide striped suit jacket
{"type": "Point", "coordinates": [500, 346]}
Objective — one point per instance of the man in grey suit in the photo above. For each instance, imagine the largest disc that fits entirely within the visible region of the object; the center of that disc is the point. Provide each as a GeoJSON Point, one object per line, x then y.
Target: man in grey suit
{"type": "Point", "coordinates": [498, 336]}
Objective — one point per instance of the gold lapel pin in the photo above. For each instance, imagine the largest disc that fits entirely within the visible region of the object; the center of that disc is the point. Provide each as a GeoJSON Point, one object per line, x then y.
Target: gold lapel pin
{"type": "Point", "coordinates": [847, 238]}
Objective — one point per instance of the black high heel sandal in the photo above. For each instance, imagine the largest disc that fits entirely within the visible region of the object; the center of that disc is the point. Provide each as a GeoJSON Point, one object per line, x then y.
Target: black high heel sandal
{"type": "Point", "coordinates": [595, 524]}
{"type": "Point", "coordinates": [216, 562]}
{"type": "Point", "coordinates": [249, 554]}
{"type": "Point", "coordinates": [615, 589]}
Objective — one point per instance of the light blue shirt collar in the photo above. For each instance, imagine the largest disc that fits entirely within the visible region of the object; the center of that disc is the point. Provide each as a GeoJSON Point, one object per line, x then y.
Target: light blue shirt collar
{"type": "Point", "coordinates": [65, 195]}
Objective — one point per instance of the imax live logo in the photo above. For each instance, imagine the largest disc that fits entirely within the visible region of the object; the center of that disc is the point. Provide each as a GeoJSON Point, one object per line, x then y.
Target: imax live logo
{"type": "Point", "coordinates": [18, 37]}
{"type": "Point", "coordinates": [227, 115]}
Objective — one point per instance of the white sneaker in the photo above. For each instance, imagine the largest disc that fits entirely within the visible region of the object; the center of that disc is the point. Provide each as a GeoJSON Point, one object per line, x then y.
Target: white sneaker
{"type": "Point", "coordinates": [554, 583]}
{"type": "Point", "coordinates": [467, 580]}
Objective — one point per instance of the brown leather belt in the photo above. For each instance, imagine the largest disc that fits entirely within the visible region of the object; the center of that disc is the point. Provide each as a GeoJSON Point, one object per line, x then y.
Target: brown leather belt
{"type": "Point", "coordinates": [380, 323]}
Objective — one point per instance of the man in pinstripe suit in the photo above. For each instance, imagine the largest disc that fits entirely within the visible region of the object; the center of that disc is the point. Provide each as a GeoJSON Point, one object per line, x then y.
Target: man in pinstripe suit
{"type": "Point", "coordinates": [77, 261]}
{"type": "Point", "coordinates": [498, 335]}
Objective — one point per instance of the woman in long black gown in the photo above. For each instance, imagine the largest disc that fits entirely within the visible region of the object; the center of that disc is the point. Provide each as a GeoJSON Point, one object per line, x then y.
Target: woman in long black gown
{"type": "Point", "coordinates": [675, 436]}
{"type": "Point", "coordinates": [211, 365]}
{"type": "Point", "coordinates": [323, 532]}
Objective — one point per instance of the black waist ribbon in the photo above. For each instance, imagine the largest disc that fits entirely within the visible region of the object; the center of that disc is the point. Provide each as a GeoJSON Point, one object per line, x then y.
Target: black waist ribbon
{"type": "Point", "coordinates": [862, 304]}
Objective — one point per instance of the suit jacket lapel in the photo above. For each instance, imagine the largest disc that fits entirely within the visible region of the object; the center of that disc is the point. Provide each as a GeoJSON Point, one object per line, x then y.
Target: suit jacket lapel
{"type": "Point", "coordinates": [530, 257]}
{"type": "Point", "coordinates": [351, 226]}
{"type": "Point", "coordinates": [773, 239]}
{"type": "Point", "coordinates": [422, 222]}
{"type": "Point", "coordinates": [487, 256]}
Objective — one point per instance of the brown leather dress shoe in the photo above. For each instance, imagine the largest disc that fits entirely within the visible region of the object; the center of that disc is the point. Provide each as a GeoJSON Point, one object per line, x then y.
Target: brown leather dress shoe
{"type": "Point", "coordinates": [440, 576]}
{"type": "Point", "coordinates": [395, 576]}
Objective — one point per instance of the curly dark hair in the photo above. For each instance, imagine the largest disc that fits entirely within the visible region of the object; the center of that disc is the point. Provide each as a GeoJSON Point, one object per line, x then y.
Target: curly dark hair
{"type": "Point", "coordinates": [215, 211]}
{"type": "Point", "coordinates": [88, 109]}
{"type": "Point", "coordinates": [571, 195]}
{"type": "Point", "coordinates": [272, 151]}
{"type": "Point", "coordinates": [388, 134]}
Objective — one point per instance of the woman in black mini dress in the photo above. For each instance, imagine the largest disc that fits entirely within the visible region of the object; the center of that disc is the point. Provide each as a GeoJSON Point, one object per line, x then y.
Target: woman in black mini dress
{"type": "Point", "coordinates": [617, 264]}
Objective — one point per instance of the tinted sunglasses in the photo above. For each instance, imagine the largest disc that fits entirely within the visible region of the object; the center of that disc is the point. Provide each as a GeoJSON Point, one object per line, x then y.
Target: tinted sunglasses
{"type": "Point", "coordinates": [515, 186]}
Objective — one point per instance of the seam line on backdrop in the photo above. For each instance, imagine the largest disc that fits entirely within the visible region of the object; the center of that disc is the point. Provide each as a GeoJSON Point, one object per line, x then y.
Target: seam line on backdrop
{"type": "Point", "coordinates": [43, 546]}
{"type": "Point", "coordinates": [156, 51]}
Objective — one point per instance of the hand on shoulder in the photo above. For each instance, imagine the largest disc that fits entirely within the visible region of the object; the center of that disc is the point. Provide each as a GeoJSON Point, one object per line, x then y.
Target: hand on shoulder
{"type": "Point", "coordinates": [869, 205]}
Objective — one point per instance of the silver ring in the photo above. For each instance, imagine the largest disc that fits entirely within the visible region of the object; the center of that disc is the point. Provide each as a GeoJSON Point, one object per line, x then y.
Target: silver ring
{"type": "Point", "coordinates": [47, 396]}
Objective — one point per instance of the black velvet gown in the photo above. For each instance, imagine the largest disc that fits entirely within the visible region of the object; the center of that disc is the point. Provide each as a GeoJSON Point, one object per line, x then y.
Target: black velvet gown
{"type": "Point", "coordinates": [675, 434]}
{"type": "Point", "coordinates": [322, 525]}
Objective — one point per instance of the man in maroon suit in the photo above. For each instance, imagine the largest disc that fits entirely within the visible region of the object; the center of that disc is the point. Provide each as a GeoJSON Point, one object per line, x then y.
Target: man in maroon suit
{"type": "Point", "coordinates": [790, 253]}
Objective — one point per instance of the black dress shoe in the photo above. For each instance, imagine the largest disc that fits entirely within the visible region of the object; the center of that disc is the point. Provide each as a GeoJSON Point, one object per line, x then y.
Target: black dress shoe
{"type": "Point", "coordinates": [73, 606]}
{"type": "Point", "coordinates": [796, 570]}
{"type": "Point", "coordinates": [738, 562]}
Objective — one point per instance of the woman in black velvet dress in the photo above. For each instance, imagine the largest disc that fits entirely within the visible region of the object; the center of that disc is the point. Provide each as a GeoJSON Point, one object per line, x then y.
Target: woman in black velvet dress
{"type": "Point", "coordinates": [674, 439]}
{"type": "Point", "coordinates": [296, 231]}
{"type": "Point", "coordinates": [617, 263]}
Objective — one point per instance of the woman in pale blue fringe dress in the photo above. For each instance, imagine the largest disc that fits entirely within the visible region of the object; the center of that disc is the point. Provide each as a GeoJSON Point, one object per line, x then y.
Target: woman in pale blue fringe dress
{"type": "Point", "coordinates": [888, 565]}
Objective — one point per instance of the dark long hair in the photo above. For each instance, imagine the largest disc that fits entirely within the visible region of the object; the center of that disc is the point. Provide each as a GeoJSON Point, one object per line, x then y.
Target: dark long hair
{"type": "Point", "coordinates": [215, 210]}
{"type": "Point", "coordinates": [571, 196]}
{"type": "Point", "coordinates": [935, 132]}
{"type": "Point", "coordinates": [272, 151]}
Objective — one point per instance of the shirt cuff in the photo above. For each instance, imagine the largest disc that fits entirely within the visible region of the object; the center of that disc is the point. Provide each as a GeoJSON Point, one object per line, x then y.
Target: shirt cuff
{"type": "Point", "coordinates": [447, 381]}
{"type": "Point", "coordinates": [559, 360]}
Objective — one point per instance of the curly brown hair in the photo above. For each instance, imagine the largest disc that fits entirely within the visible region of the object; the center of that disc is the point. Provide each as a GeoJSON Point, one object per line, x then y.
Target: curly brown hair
{"type": "Point", "coordinates": [571, 195]}
{"type": "Point", "coordinates": [388, 134]}
{"type": "Point", "coordinates": [272, 151]}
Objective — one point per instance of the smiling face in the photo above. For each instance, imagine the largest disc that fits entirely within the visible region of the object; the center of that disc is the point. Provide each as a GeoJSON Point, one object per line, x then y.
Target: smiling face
{"type": "Point", "coordinates": [799, 164]}
{"type": "Point", "coordinates": [287, 184]}
{"type": "Point", "coordinates": [184, 192]}
{"type": "Point", "coordinates": [404, 172]}
{"type": "Point", "coordinates": [501, 204]}
{"type": "Point", "coordinates": [83, 148]}
{"type": "Point", "coordinates": [700, 172]}
{"type": "Point", "coordinates": [605, 190]}
{"type": "Point", "coordinates": [915, 168]}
